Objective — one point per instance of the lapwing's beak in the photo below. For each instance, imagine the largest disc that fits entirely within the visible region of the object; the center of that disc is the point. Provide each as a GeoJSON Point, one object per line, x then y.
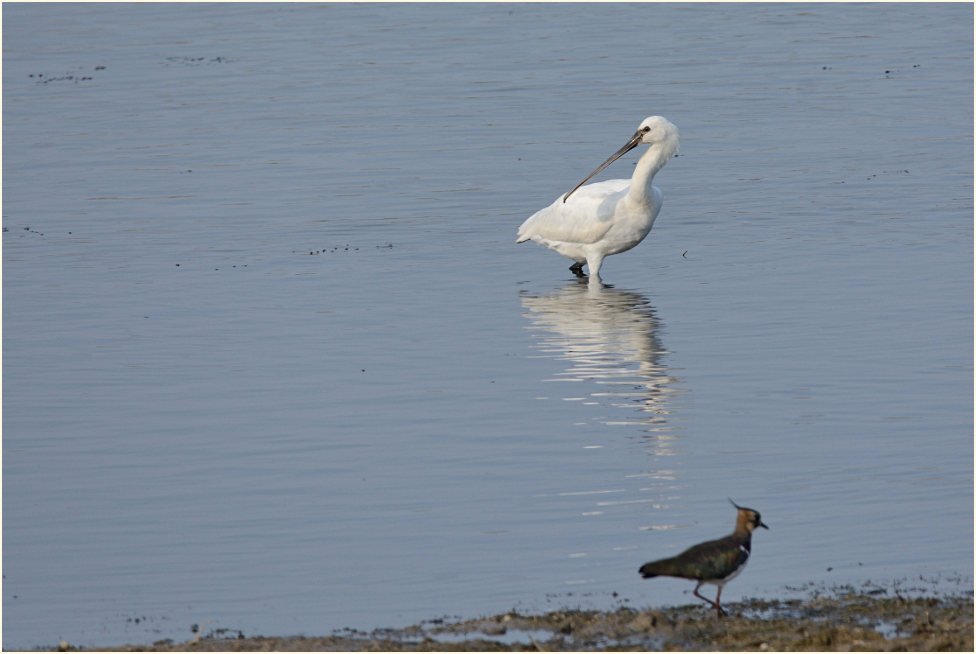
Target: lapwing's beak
{"type": "Point", "coordinates": [763, 525]}
{"type": "Point", "coordinates": [630, 145]}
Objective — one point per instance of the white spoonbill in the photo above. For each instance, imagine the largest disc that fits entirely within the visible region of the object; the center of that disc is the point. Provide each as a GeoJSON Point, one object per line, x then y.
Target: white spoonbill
{"type": "Point", "coordinates": [608, 217]}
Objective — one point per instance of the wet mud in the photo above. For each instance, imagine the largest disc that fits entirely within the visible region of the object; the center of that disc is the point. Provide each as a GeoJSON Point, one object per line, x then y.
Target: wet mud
{"type": "Point", "coordinates": [844, 622]}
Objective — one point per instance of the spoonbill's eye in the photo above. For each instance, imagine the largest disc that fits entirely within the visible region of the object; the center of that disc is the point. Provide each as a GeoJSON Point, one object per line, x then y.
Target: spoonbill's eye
{"type": "Point", "coordinates": [646, 130]}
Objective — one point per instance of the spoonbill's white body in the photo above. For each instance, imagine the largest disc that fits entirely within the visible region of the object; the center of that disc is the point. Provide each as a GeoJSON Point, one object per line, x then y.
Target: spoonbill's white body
{"type": "Point", "coordinates": [608, 217]}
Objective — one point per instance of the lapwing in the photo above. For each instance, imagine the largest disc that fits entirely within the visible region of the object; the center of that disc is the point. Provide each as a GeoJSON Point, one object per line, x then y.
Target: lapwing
{"type": "Point", "coordinates": [713, 562]}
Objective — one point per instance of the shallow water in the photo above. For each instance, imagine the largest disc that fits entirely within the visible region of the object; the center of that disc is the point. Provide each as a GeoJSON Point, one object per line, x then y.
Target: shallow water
{"type": "Point", "coordinates": [273, 363]}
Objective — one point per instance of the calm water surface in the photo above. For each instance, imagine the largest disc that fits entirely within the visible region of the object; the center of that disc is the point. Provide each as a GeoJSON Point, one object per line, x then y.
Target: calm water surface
{"type": "Point", "coordinates": [272, 362]}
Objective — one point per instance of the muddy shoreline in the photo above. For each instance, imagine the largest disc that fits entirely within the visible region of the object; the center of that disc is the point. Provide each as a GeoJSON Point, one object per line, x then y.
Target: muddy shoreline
{"type": "Point", "coordinates": [845, 621]}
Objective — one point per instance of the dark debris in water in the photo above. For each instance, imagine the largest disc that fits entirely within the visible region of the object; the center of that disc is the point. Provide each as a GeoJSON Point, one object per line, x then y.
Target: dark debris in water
{"type": "Point", "coordinates": [338, 249]}
{"type": "Point", "coordinates": [197, 61]}
{"type": "Point", "coordinates": [25, 231]}
{"type": "Point", "coordinates": [74, 77]}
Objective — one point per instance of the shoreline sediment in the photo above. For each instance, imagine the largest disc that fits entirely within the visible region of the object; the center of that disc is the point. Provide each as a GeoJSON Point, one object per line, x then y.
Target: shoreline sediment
{"type": "Point", "coordinates": [852, 621]}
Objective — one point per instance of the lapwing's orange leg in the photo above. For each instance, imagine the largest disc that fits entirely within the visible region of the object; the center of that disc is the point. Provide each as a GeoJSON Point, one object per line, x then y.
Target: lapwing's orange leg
{"type": "Point", "coordinates": [716, 604]}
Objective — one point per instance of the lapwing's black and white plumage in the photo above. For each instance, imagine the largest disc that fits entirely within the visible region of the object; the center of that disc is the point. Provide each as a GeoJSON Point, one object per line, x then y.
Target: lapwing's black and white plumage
{"type": "Point", "coordinates": [713, 562]}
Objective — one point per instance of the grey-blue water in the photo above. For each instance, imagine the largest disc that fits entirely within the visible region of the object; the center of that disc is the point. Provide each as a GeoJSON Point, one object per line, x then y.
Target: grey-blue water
{"type": "Point", "coordinates": [272, 362]}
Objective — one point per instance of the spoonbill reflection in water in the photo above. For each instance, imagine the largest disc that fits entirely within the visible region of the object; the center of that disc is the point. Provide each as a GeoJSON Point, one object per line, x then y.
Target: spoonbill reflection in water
{"type": "Point", "coordinates": [604, 218]}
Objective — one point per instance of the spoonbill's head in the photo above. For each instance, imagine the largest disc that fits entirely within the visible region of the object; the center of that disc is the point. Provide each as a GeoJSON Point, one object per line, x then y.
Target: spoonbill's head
{"type": "Point", "coordinates": [654, 131]}
{"type": "Point", "coordinates": [657, 129]}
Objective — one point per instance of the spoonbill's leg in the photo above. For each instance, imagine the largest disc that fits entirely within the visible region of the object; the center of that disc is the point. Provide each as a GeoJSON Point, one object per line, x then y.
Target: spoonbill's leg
{"type": "Point", "coordinates": [593, 263]}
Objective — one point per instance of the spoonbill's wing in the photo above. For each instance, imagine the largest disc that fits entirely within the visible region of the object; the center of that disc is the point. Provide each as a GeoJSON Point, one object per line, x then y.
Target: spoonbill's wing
{"type": "Point", "coordinates": [584, 218]}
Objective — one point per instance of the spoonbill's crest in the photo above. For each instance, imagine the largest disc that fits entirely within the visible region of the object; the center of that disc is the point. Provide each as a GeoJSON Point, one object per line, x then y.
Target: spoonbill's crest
{"type": "Point", "coordinates": [604, 218]}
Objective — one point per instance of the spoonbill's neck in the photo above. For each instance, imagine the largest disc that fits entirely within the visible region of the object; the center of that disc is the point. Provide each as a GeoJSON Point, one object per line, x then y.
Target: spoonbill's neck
{"type": "Point", "coordinates": [652, 161]}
